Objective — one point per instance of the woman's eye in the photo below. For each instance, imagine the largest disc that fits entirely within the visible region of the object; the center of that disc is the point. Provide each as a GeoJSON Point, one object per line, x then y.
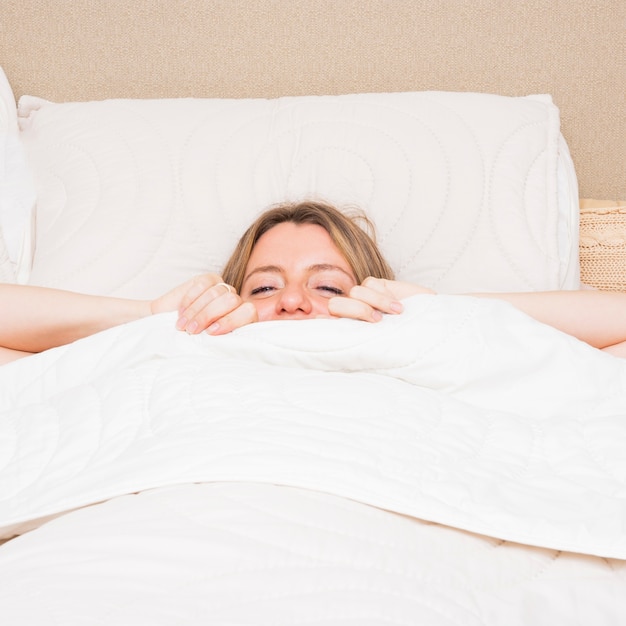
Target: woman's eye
{"type": "Point", "coordinates": [335, 291]}
{"type": "Point", "coordinates": [261, 290]}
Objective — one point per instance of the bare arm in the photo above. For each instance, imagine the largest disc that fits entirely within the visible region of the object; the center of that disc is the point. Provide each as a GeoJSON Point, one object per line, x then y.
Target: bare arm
{"type": "Point", "coordinates": [596, 317]}
{"type": "Point", "coordinates": [33, 319]}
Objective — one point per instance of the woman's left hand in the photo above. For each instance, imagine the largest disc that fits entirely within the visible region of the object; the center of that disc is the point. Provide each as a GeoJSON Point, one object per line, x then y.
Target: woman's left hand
{"type": "Point", "coordinates": [373, 297]}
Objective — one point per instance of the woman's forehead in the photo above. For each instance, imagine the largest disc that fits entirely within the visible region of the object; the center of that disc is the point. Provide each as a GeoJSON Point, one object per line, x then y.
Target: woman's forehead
{"type": "Point", "coordinates": [305, 244]}
{"type": "Point", "coordinates": [289, 236]}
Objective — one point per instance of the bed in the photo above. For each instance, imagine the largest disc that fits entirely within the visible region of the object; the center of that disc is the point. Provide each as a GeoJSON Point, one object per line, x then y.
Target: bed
{"type": "Point", "coordinates": [456, 464]}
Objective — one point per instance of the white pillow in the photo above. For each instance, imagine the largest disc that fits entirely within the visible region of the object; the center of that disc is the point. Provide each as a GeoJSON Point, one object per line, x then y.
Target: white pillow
{"type": "Point", "coordinates": [17, 192]}
{"type": "Point", "coordinates": [135, 196]}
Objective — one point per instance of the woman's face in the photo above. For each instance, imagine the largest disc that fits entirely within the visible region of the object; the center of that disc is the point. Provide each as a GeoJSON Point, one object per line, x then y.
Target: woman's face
{"type": "Point", "coordinates": [293, 271]}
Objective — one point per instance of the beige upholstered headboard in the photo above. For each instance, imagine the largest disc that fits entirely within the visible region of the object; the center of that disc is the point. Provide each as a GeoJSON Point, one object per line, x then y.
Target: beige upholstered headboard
{"type": "Point", "coordinates": [572, 49]}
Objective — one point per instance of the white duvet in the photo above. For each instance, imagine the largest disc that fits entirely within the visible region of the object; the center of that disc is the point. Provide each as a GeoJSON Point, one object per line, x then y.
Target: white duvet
{"type": "Point", "coordinates": [460, 411]}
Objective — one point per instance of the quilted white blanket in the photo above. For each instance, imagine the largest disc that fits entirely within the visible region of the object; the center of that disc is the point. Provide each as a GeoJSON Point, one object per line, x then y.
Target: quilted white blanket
{"type": "Point", "coordinates": [461, 411]}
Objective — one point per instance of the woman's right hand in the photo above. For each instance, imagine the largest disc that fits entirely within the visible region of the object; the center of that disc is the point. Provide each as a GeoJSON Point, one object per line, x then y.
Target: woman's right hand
{"type": "Point", "coordinates": [206, 303]}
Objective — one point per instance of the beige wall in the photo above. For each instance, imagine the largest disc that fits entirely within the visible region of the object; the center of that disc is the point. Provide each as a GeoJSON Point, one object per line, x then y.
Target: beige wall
{"type": "Point", "coordinates": [573, 49]}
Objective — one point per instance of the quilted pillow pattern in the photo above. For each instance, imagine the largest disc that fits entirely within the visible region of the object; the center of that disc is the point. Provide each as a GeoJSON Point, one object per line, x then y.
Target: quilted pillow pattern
{"type": "Point", "coordinates": [134, 196]}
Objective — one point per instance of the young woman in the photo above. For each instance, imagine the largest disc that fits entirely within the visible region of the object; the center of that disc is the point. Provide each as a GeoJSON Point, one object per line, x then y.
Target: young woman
{"type": "Point", "coordinates": [296, 261]}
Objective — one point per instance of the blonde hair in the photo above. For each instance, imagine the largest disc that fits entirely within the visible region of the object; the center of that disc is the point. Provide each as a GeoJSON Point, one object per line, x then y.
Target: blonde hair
{"type": "Point", "coordinates": [355, 242]}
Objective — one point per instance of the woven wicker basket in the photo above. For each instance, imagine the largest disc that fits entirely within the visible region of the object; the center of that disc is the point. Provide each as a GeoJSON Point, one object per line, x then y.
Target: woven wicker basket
{"type": "Point", "coordinates": [603, 244]}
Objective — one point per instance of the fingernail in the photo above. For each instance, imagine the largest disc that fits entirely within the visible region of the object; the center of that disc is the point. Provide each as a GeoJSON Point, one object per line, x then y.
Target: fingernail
{"type": "Point", "coordinates": [213, 328]}
{"type": "Point", "coordinates": [377, 316]}
{"type": "Point", "coordinates": [192, 327]}
{"type": "Point", "coordinates": [397, 307]}
{"type": "Point", "coordinates": [181, 323]}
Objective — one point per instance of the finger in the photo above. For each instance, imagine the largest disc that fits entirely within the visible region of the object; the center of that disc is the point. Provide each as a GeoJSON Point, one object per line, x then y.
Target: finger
{"type": "Point", "coordinates": [228, 288]}
{"type": "Point", "coordinates": [378, 284]}
{"type": "Point", "coordinates": [197, 288]}
{"type": "Point", "coordinates": [377, 297]}
{"type": "Point", "coordinates": [244, 314]}
{"type": "Point", "coordinates": [396, 289]}
{"type": "Point", "coordinates": [352, 308]}
{"type": "Point", "coordinates": [207, 308]}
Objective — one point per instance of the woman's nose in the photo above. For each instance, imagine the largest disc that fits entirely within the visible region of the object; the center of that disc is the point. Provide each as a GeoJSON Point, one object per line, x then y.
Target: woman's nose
{"type": "Point", "coordinates": [294, 299]}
